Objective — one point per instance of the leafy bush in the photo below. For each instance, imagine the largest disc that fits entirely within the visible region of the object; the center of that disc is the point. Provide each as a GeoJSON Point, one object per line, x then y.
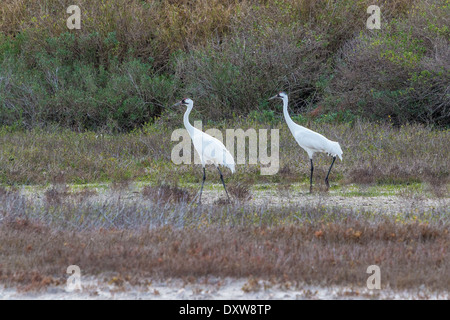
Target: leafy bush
{"type": "Point", "coordinates": [401, 73]}
{"type": "Point", "coordinates": [133, 57]}
{"type": "Point", "coordinates": [55, 85]}
{"type": "Point", "coordinates": [240, 74]}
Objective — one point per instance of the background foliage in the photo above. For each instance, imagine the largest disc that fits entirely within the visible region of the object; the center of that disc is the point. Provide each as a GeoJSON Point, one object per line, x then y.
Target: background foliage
{"type": "Point", "coordinates": [133, 58]}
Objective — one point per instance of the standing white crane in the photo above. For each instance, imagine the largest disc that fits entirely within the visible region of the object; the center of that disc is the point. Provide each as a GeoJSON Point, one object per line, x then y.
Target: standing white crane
{"type": "Point", "coordinates": [210, 150]}
{"type": "Point", "coordinates": [309, 140]}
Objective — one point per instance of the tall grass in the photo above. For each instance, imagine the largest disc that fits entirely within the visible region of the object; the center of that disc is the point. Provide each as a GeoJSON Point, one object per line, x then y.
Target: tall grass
{"type": "Point", "coordinates": [373, 153]}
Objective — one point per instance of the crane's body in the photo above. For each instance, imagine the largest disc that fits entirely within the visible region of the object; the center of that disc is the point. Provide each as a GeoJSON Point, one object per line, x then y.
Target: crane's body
{"type": "Point", "coordinates": [209, 149]}
{"type": "Point", "coordinates": [309, 140]}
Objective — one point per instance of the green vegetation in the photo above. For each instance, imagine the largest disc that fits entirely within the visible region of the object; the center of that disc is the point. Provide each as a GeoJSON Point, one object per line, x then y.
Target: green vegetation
{"type": "Point", "coordinates": [130, 61]}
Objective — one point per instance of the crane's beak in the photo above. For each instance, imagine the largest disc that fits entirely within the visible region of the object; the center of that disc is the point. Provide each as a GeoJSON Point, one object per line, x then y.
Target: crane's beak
{"type": "Point", "coordinates": [176, 104]}
{"type": "Point", "coordinates": [273, 98]}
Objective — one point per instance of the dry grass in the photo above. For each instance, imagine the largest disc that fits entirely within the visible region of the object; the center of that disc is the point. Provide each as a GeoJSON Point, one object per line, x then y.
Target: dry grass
{"type": "Point", "coordinates": [240, 191]}
{"type": "Point", "coordinates": [312, 244]}
{"type": "Point", "coordinates": [167, 193]}
{"type": "Point", "coordinates": [409, 254]}
{"type": "Point", "coordinates": [374, 153]}
{"type": "Point", "coordinates": [57, 195]}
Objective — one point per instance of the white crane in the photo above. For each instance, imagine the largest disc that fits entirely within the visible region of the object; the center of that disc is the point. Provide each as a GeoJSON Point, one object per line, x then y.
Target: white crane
{"type": "Point", "coordinates": [309, 140]}
{"type": "Point", "coordinates": [210, 150]}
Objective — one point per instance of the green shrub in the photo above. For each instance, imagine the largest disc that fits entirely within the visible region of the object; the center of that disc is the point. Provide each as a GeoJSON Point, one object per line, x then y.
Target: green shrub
{"type": "Point", "coordinates": [401, 73]}
{"type": "Point", "coordinates": [133, 57]}
{"type": "Point", "coordinates": [55, 85]}
{"type": "Point", "coordinates": [240, 74]}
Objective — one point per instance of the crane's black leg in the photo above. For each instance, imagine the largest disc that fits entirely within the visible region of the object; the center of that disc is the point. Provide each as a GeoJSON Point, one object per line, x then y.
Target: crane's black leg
{"type": "Point", "coordinates": [310, 178]}
{"type": "Point", "coordinates": [221, 178]}
{"type": "Point", "coordinates": [203, 182]}
{"type": "Point", "coordinates": [326, 179]}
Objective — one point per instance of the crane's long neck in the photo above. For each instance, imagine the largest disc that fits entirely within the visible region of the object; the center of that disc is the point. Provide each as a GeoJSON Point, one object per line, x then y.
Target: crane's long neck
{"type": "Point", "coordinates": [289, 121]}
{"type": "Point", "coordinates": [188, 126]}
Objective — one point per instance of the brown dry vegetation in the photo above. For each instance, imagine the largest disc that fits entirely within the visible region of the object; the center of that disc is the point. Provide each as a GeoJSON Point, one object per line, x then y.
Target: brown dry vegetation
{"type": "Point", "coordinates": [409, 254]}
{"type": "Point", "coordinates": [166, 193]}
{"type": "Point", "coordinates": [240, 191]}
{"type": "Point", "coordinates": [311, 244]}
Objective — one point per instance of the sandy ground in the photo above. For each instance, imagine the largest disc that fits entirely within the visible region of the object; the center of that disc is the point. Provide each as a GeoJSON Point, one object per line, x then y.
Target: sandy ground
{"type": "Point", "coordinates": [391, 203]}
{"type": "Point", "coordinates": [385, 202]}
{"type": "Point", "coordinates": [214, 289]}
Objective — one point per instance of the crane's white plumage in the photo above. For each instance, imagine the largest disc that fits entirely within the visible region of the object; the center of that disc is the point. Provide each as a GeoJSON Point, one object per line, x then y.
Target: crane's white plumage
{"type": "Point", "coordinates": [209, 149]}
{"type": "Point", "coordinates": [309, 140]}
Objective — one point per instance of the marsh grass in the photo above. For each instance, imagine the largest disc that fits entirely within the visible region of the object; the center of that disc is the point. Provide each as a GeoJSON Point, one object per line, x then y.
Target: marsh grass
{"type": "Point", "coordinates": [167, 193]}
{"type": "Point", "coordinates": [302, 244]}
{"type": "Point", "coordinates": [374, 154]}
{"type": "Point", "coordinates": [57, 194]}
{"type": "Point", "coordinates": [240, 191]}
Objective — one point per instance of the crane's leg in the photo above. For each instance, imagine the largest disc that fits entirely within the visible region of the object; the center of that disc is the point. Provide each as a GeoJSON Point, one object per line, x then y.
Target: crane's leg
{"type": "Point", "coordinates": [203, 182]}
{"type": "Point", "coordinates": [310, 178]}
{"type": "Point", "coordinates": [221, 178]}
{"type": "Point", "coordinates": [326, 179]}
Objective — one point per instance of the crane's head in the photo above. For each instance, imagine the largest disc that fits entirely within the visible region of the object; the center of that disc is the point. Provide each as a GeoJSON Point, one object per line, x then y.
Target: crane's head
{"type": "Point", "coordinates": [281, 95]}
{"type": "Point", "coordinates": [185, 102]}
